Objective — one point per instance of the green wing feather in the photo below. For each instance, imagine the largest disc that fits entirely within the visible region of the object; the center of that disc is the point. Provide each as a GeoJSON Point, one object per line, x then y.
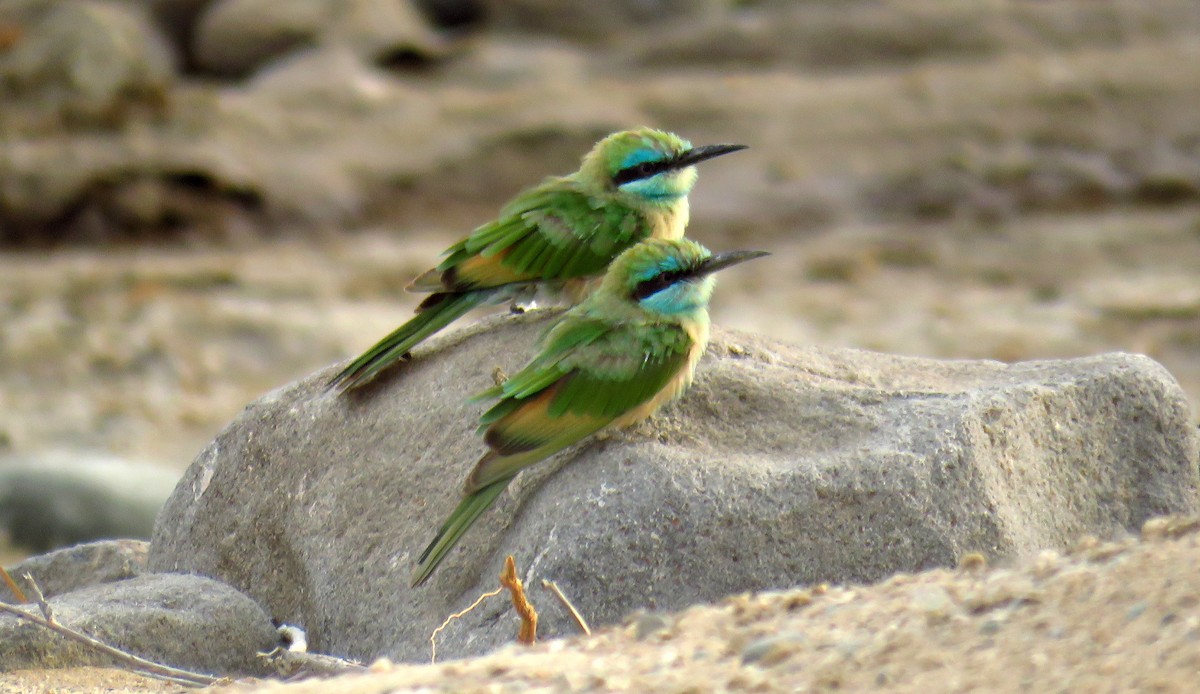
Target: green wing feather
{"type": "Point", "coordinates": [437, 314]}
{"type": "Point", "coordinates": [594, 377]}
{"type": "Point", "coordinates": [555, 231]}
{"type": "Point", "coordinates": [589, 373]}
{"type": "Point", "coordinates": [552, 232]}
{"type": "Point", "coordinates": [469, 509]}
{"type": "Point", "coordinates": [569, 334]}
{"type": "Point", "coordinates": [612, 376]}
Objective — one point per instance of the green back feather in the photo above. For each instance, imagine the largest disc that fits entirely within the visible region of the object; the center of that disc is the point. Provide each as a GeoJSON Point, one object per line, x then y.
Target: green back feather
{"type": "Point", "coordinates": [556, 231]}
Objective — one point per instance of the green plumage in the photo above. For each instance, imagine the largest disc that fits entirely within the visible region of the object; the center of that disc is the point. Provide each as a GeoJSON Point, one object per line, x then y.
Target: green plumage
{"type": "Point", "coordinates": [558, 230]}
{"type": "Point", "coordinates": [592, 371]}
{"type": "Point", "coordinates": [563, 229]}
{"type": "Point", "coordinates": [619, 354]}
{"type": "Point", "coordinates": [619, 370]}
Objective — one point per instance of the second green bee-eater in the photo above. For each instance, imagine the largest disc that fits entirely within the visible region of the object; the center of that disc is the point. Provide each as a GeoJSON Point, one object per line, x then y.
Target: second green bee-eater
{"type": "Point", "coordinates": [631, 186]}
{"type": "Point", "coordinates": [613, 360]}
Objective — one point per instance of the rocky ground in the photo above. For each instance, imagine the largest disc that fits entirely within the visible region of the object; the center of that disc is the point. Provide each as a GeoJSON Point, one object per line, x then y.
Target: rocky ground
{"type": "Point", "coordinates": [942, 178]}
{"type": "Point", "coordinates": [1099, 617]}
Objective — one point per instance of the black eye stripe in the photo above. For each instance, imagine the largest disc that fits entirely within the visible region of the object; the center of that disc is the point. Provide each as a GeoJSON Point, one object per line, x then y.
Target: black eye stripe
{"type": "Point", "coordinates": [645, 169]}
{"type": "Point", "coordinates": [658, 283]}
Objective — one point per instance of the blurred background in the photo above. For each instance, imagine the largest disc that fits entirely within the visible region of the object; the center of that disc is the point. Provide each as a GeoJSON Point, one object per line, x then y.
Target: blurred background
{"type": "Point", "coordinates": [202, 200]}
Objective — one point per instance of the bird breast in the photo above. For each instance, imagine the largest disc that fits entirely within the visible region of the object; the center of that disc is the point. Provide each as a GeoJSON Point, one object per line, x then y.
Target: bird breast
{"type": "Point", "coordinates": [670, 221]}
{"type": "Point", "coordinates": [697, 331]}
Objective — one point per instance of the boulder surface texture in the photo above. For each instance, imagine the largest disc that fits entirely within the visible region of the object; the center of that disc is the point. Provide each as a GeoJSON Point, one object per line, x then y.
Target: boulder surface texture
{"type": "Point", "coordinates": [71, 568]}
{"type": "Point", "coordinates": [188, 622]}
{"type": "Point", "coordinates": [782, 466]}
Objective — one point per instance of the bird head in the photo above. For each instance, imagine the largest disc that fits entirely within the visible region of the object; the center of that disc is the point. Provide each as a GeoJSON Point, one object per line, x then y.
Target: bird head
{"type": "Point", "coordinates": [669, 277]}
{"type": "Point", "coordinates": [648, 166]}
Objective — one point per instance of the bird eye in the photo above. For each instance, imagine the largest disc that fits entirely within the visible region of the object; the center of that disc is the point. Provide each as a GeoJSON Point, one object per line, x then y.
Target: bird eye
{"type": "Point", "coordinates": [658, 283]}
{"type": "Point", "coordinates": [637, 172]}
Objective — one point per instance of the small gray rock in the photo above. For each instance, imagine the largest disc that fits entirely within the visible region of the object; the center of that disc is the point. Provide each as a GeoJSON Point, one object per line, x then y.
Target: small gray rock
{"type": "Point", "coordinates": [183, 621]}
{"type": "Point", "coordinates": [54, 499]}
{"type": "Point", "coordinates": [771, 650]}
{"type": "Point", "coordinates": [647, 624]}
{"type": "Point", "coordinates": [72, 568]}
{"type": "Point", "coordinates": [782, 466]}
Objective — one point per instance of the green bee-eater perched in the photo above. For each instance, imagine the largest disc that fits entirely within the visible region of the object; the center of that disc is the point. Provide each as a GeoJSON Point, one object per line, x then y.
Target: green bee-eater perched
{"type": "Point", "coordinates": [612, 360]}
{"type": "Point", "coordinates": [633, 185]}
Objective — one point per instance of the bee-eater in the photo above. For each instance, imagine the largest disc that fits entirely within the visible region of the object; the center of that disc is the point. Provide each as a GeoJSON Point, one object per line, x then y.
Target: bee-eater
{"type": "Point", "coordinates": [631, 186]}
{"type": "Point", "coordinates": [612, 360]}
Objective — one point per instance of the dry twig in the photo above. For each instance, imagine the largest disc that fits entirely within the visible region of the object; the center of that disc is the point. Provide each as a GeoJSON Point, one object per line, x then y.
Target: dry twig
{"type": "Point", "coordinates": [553, 588]}
{"type": "Point", "coordinates": [456, 615]}
{"type": "Point", "coordinates": [133, 662]}
{"type": "Point", "coordinates": [508, 578]}
{"type": "Point", "coordinates": [39, 598]}
{"type": "Point", "coordinates": [12, 586]}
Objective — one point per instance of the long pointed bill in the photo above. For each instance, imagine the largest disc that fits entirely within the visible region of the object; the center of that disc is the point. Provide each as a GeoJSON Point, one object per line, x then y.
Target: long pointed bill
{"type": "Point", "coordinates": [720, 261]}
{"type": "Point", "coordinates": [696, 155]}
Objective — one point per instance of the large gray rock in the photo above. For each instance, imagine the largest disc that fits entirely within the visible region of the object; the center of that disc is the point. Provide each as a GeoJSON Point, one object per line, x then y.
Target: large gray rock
{"type": "Point", "coordinates": [72, 568]}
{"type": "Point", "coordinates": [189, 622]}
{"type": "Point", "coordinates": [782, 466]}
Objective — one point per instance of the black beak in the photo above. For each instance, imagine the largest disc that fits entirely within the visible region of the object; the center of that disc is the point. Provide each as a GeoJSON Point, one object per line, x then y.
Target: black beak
{"type": "Point", "coordinates": [696, 155]}
{"type": "Point", "coordinates": [720, 261]}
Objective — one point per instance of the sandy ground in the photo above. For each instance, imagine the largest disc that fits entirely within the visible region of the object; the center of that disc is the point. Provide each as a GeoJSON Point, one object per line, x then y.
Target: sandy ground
{"type": "Point", "coordinates": [1121, 616]}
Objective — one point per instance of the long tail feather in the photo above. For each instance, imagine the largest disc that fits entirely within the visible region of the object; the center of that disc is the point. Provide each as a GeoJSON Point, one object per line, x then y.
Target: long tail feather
{"type": "Point", "coordinates": [469, 509]}
{"type": "Point", "coordinates": [432, 318]}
